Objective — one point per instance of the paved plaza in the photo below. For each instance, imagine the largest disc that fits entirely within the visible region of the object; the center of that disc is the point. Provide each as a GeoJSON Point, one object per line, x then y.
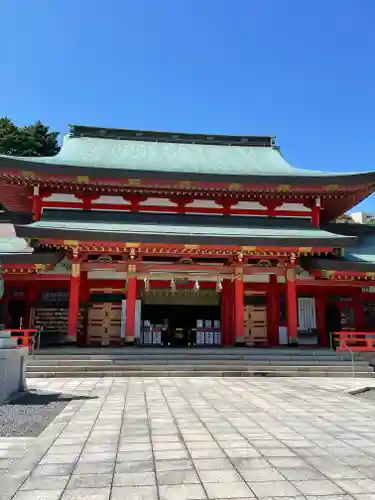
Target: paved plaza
{"type": "Point", "coordinates": [198, 438]}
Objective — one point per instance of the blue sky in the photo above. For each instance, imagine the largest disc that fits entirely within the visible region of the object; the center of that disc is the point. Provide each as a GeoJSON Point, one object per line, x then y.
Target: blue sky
{"type": "Point", "coordinates": [301, 70]}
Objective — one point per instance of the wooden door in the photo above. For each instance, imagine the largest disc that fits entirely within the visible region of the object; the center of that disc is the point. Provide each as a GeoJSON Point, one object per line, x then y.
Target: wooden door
{"type": "Point", "coordinates": [113, 326]}
{"type": "Point", "coordinates": [255, 328]}
{"type": "Point", "coordinates": [104, 324]}
{"type": "Point", "coordinates": [96, 324]}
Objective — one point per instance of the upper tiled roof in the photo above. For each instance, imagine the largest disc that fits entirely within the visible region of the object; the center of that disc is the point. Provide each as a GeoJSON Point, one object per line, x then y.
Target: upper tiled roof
{"type": "Point", "coordinates": [154, 152]}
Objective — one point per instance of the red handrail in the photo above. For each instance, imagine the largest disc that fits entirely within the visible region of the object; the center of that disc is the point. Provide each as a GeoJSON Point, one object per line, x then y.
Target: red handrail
{"type": "Point", "coordinates": [356, 341]}
{"type": "Point", "coordinates": [26, 335]}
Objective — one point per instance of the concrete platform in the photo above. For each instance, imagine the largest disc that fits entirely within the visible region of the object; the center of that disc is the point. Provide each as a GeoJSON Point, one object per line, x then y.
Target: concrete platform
{"type": "Point", "coordinates": [198, 438]}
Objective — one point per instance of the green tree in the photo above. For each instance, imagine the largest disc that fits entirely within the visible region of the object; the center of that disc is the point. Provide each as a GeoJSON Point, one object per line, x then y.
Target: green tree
{"type": "Point", "coordinates": [30, 140]}
{"type": "Point", "coordinates": [8, 136]}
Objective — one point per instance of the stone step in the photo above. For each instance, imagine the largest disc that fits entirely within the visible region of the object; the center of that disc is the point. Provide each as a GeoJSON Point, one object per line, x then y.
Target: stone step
{"type": "Point", "coordinates": [194, 354]}
{"type": "Point", "coordinates": [189, 373]}
{"type": "Point", "coordinates": [212, 348]}
{"type": "Point", "coordinates": [187, 360]}
{"type": "Point", "coordinates": [216, 362]}
{"type": "Point", "coordinates": [197, 351]}
{"type": "Point", "coordinates": [196, 367]}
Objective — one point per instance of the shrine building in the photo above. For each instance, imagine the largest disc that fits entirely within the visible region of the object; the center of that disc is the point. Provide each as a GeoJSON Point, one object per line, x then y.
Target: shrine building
{"type": "Point", "coordinates": [137, 237]}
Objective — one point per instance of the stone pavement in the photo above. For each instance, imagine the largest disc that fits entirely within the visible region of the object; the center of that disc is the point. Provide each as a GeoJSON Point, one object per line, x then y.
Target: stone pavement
{"type": "Point", "coordinates": [198, 438]}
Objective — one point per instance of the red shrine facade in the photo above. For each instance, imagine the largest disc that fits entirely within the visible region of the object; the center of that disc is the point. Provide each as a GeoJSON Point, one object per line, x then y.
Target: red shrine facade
{"type": "Point", "coordinates": [137, 237]}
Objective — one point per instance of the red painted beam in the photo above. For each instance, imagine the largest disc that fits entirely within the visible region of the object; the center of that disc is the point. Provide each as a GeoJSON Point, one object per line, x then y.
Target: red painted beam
{"type": "Point", "coordinates": [333, 284]}
{"type": "Point", "coordinates": [35, 277]}
{"type": "Point", "coordinates": [176, 249]}
{"type": "Point", "coordinates": [340, 275]}
{"type": "Point", "coordinates": [133, 182]}
{"type": "Point", "coordinates": [175, 209]}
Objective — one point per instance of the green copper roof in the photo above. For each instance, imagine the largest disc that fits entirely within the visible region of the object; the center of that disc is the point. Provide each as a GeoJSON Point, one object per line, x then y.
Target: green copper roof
{"type": "Point", "coordinates": [138, 151]}
{"type": "Point", "coordinates": [161, 159]}
{"type": "Point", "coordinates": [170, 157]}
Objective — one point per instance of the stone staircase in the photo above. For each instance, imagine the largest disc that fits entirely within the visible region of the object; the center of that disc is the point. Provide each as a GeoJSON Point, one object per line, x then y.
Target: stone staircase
{"type": "Point", "coordinates": [197, 362]}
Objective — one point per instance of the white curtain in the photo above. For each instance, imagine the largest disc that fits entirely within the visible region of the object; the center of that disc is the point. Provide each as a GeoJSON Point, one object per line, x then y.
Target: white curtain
{"type": "Point", "coordinates": [306, 313]}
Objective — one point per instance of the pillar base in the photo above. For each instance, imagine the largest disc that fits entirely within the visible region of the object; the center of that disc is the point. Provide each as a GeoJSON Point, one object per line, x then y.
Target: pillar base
{"type": "Point", "coordinates": [71, 341]}
{"type": "Point", "coordinates": [240, 343]}
{"type": "Point", "coordinates": [293, 342]}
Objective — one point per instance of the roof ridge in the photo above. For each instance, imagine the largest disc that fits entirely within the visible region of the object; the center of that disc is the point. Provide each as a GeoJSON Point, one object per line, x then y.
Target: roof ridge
{"type": "Point", "coordinates": [80, 131]}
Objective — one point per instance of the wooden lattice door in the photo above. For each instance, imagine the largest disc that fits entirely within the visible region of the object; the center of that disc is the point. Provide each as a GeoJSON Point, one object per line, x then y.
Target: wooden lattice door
{"type": "Point", "coordinates": [255, 321]}
{"type": "Point", "coordinates": [114, 323]}
{"type": "Point", "coordinates": [104, 323]}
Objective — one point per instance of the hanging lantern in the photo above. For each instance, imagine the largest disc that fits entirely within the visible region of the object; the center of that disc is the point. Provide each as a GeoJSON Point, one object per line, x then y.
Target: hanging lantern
{"type": "Point", "coordinates": [219, 285]}
{"type": "Point", "coordinates": [147, 285]}
{"type": "Point", "coordinates": [196, 286]}
{"type": "Point", "coordinates": [173, 285]}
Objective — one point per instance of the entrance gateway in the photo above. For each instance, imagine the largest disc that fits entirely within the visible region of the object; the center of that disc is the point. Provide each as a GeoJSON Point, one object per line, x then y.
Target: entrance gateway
{"type": "Point", "coordinates": [163, 317]}
{"type": "Point", "coordinates": [129, 236]}
{"type": "Point", "coordinates": [184, 317]}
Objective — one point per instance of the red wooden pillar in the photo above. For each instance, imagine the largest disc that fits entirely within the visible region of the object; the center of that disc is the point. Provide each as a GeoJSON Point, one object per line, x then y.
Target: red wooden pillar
{"type": "Point", "coordinates": [227, 314]}
{"type": "Point", "coordinates": [37, 204]}
{"type": "Point", "coordinates": [273, 311]}
{"type": "Point", "coordinates": [291, 304]}
{"type": "Point", "coordinates": [239, 310]}
{"type": "Point", "coordinates": [84, 296]}
{"type": "Point", "coordinates": [315, 213]}
{"type": "Point", "coordinates": [73, 312]}
{"type": "Point", "coordinates": [131, 297]}
{"type": "Point", "coordinates": [230, 315]}
{"type": "Point", "coordinates": [320, 304]}
{"type": "Point", "coordinates": [30, 299]}
{"type": "Point", "coordinates": [359, 317]}
{"type": "Point", "coordinates": [315, 216]}
{"type": "Point", "coordinates": [224, 327]}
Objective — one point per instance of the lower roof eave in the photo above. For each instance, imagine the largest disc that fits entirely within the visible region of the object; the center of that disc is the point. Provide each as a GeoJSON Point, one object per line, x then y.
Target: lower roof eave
{"type": "Point", "coordinates": [338, 265]}
{"type": "Point", "coordinates": [43, 258]}
{"type": "Point", "coordinates": [9, 217]}
{"type": "Point", "coordinates": [97, 174]}
{"type": "Point", "coordinates": [31, 231]}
